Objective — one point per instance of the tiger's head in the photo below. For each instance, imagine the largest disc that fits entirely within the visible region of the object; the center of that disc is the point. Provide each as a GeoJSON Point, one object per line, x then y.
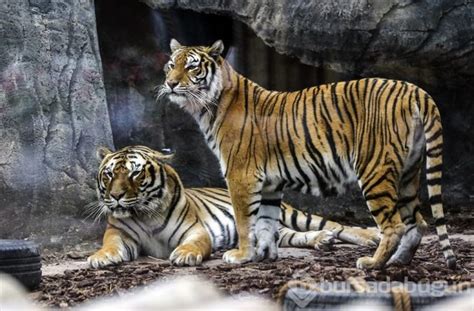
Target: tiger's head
{"type": "Point", "coordinates": [193, 76]}
{"type": "Point", "coordinates": [132, 181]}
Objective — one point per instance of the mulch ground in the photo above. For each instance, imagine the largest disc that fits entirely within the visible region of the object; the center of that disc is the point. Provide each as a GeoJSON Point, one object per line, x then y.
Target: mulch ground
{"type": "Point", "coordinates": [266, 278]}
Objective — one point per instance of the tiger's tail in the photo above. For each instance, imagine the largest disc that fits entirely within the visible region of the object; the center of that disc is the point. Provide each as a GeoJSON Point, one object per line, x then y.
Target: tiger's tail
{"type": "Point", "coordinates": [434, 151]}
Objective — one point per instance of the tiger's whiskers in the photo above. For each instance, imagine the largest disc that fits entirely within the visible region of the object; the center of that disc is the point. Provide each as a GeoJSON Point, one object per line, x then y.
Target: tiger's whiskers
{"type": "Point", "coordinates": [95, 210]}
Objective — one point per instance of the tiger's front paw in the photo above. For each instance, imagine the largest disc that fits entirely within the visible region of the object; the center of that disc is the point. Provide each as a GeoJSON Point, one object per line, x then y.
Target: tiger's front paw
{"type": "Point", "coordinates": [186, 255]}
{"type": "Point", "coordinates": [267, 247]}
{"type": "Point", "coordinates": [365, 263]}
{"type": "Point", "coordinates": [105, 257]}
{"type": "Point", "coordinates": [368, 263]}
{"type": "Point", "coordinates": [238, 256]}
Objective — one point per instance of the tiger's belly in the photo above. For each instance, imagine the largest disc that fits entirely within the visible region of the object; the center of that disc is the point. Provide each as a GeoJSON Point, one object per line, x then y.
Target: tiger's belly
{"type": "Point", "coordinates": [331, 178]}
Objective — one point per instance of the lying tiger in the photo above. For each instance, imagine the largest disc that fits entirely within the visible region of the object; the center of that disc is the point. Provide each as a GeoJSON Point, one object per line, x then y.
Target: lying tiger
{"type": "Point", "coordinates": [151, 213]}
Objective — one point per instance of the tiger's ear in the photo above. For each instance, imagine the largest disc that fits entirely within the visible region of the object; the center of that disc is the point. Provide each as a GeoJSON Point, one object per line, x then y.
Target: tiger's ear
{"type": "Point", "coordinates": [174, 45]}
{"type": "Point", "coordinates": [216, 49]}
{"type": "Point", "coordinates": [162, 156]}
{"type": "Point", "coordinates": [102, 152]}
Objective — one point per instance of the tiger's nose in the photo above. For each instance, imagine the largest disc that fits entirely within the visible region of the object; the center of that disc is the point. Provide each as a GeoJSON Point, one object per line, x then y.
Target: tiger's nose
{"type": "Point", "coordinates": [117, 196]}
{"type": "Point", "coordinates": [172, 84]}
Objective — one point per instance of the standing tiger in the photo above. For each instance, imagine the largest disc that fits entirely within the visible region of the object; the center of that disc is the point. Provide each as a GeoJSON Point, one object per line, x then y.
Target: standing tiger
{"type": "Point", "coordinates": [150, 212]}
{"type": "Point", "coordinates": [316, 140]}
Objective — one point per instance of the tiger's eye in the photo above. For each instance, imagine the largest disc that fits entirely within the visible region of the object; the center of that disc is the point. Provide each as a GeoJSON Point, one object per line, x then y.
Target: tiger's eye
{"type": "Point", "coordinates": [168, 67]}
{"type": "Point", "coordinates": [135, 174]}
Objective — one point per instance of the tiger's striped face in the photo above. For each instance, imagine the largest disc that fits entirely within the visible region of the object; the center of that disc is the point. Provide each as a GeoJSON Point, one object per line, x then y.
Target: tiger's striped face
{"type": "Point", "coordinates": [131, 182]}
{"type": "Point", "coordinates": [193, 76]}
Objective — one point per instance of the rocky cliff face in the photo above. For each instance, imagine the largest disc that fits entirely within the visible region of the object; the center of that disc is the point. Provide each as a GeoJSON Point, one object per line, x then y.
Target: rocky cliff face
{"type": "Point", "coordinates": [430, 40]}
{"type": "Point", "coordinates": [53, 115]}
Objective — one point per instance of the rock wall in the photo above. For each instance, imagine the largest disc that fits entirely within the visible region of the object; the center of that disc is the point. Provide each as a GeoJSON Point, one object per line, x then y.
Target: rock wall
{"type": "Point", "coordinates": [53, 115]}
{"type": "Point", "coordinates": [429, 40]}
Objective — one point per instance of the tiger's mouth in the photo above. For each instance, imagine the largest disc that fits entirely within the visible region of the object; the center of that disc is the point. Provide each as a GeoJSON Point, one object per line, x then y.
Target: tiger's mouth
{"type": "Point", "coordinates": [121, 212]}
{"type": "Point", "coordinates": [173, 95]}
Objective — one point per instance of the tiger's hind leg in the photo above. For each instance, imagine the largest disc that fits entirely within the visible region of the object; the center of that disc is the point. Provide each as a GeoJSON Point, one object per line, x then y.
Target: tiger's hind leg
{"type": "Point", "coordinates": [266, 228]}
{"type": "Point", "coordinates": [358, 236]}
{"type": "Point", "coordinates": [409, 206]}
{"type": "Point", "coordinates": [320, 239]}
{"type": "Point", "coordinates": [381, 195]}
{"type": "Point", "coordinates": [415, 228]}
{"type": "Point", "coordinates": [303, 221]}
